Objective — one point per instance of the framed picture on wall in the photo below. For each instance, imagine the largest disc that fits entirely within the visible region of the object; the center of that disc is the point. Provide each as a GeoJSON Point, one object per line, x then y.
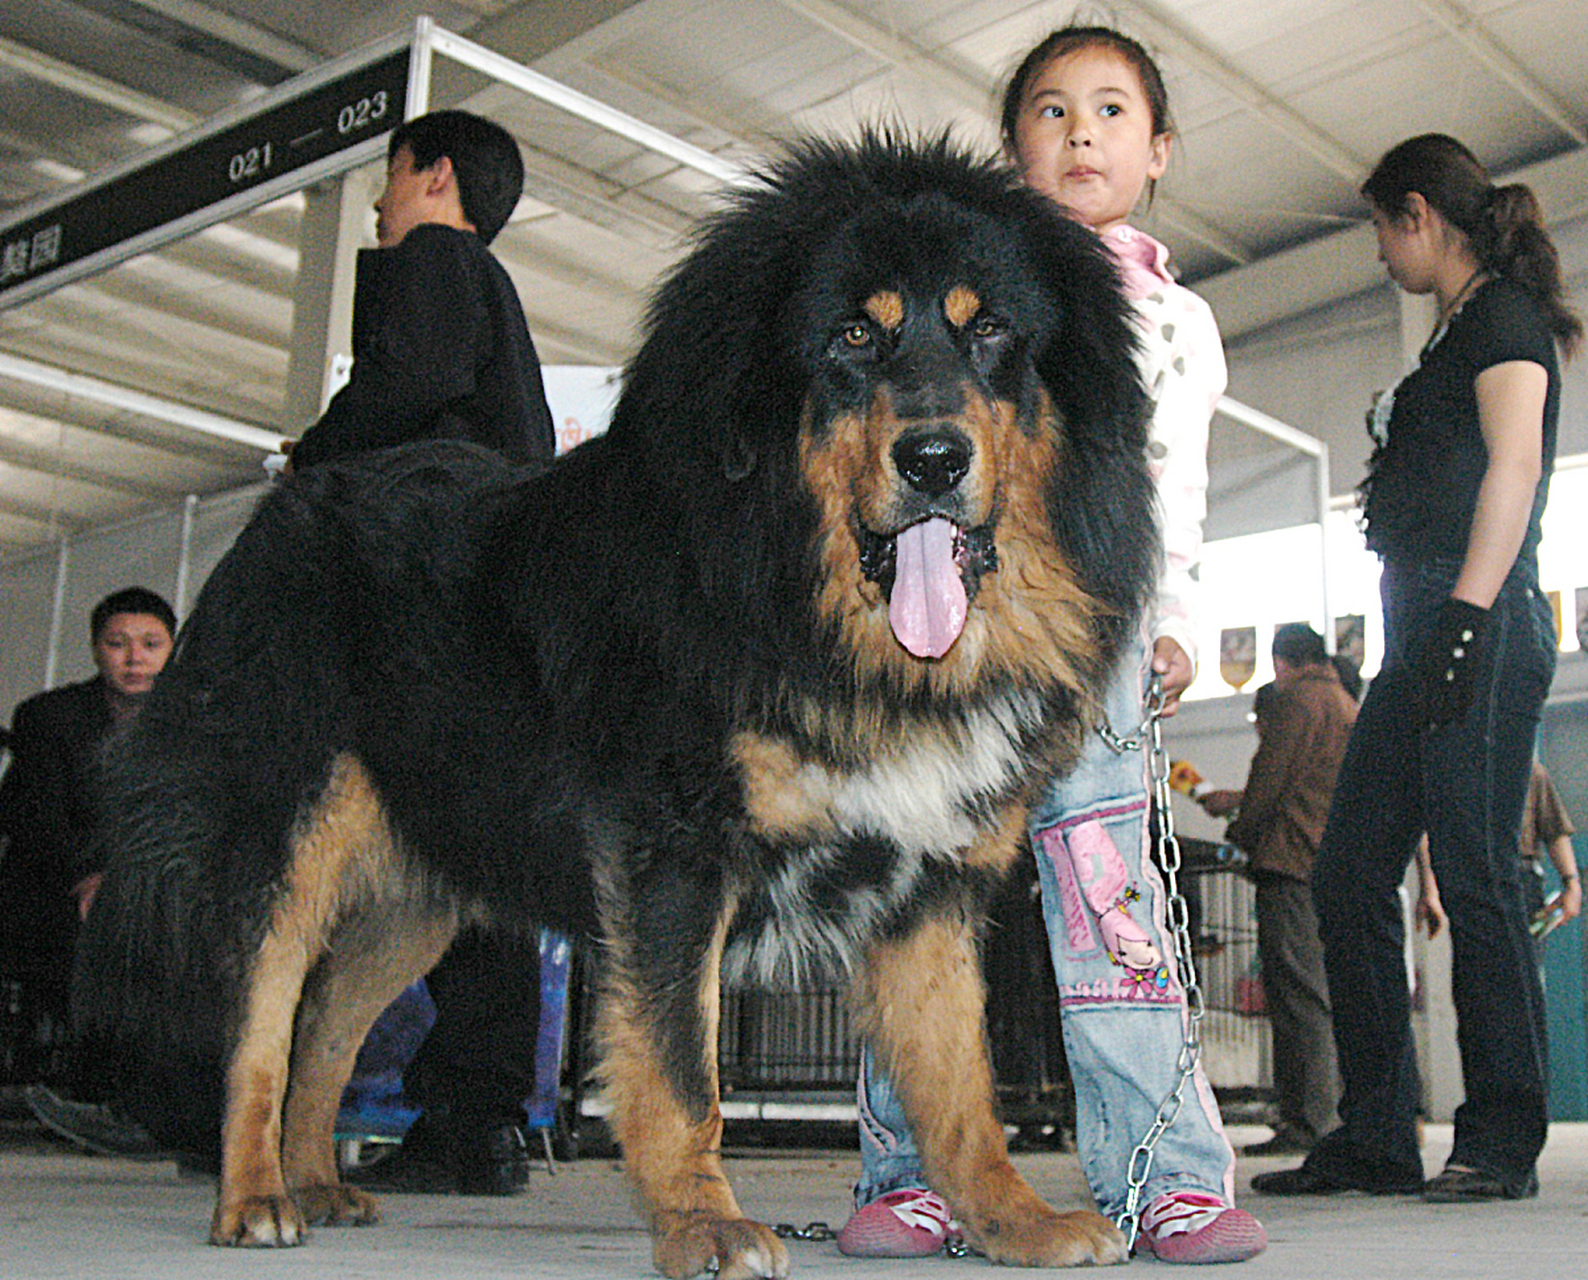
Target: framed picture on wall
{"type": "Point", "coordinates": [1237, 655]}
{"type": "Point", "coordinates": [1350, 637]}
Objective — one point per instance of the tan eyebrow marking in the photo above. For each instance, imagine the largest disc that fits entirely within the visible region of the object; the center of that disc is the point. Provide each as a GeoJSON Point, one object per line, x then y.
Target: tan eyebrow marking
{"type": "Point", "coordinates": [886, 308]}
{"type": "Point", "coordinates": [961, 306]}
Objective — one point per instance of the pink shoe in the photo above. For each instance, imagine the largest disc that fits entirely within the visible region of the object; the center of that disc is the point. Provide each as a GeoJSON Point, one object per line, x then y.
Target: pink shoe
{"type": "Point", "coordinates": [909, 1223]}
{"type": "Point", "coordinates": [1192, 1226]}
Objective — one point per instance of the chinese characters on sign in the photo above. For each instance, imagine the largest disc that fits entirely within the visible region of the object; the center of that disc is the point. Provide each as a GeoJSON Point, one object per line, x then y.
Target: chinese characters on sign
{"type": "Point", "coordinates": [23, 257]}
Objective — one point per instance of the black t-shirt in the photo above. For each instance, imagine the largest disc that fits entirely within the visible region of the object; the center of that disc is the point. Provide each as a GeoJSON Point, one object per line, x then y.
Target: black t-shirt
{"type": "Point", "coordinates": [440, 351]}
{"type": "Point", "coordinates": [1422, 485]}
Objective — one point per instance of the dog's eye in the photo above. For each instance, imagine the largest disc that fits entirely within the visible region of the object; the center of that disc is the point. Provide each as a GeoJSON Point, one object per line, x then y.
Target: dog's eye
{"type": "Point", "coordinates": [986, 326]}
{"type": "Point", "coordinates": [857, 336]}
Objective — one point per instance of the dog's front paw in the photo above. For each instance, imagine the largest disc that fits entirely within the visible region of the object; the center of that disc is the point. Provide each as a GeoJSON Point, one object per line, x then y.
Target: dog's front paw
{"type": "Point", "coordinates": [336, 1205]}
{"type": "Point", "coordinates": [1039, 1237]}
{"type": "Point", "coordinates": [257, 1222]}
{"type": "Point", "coordinates": [686, 1244]}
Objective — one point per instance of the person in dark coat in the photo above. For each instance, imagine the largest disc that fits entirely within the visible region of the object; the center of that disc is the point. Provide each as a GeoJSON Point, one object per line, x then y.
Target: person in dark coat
{"type": "Point", "coordinates": [441, 351]}
{"type": "Point", "coordinates": [48, 873]}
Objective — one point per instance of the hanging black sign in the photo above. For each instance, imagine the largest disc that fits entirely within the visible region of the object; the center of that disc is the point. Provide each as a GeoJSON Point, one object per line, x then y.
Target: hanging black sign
{"type": "Point", "coordinates": [217, 168]}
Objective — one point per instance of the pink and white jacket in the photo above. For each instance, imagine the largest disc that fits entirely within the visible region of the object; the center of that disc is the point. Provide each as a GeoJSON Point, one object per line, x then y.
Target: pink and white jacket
{"type": "Point", "coordinates": [1182, 367]}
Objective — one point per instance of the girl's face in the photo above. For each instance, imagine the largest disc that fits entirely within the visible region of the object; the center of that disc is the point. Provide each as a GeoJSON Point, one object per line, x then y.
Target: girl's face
{"type": "Point", "coordinates": [1084, 138]}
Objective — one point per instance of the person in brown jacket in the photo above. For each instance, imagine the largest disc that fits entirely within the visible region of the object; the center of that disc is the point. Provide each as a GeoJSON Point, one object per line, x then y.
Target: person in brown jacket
{"type": "Point", "coordinates": [1547, 830]}
{"type": "Point", "coordinates": [1303, 721]}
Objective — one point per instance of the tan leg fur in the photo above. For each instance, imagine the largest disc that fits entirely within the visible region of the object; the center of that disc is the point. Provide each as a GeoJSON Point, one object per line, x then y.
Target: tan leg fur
{"type": "Point", "coordinates": [341, 860]}
{"type": "Point", "coordinates": [370, 960]}
{"type": "Point", "coordinates": [674, 1158]}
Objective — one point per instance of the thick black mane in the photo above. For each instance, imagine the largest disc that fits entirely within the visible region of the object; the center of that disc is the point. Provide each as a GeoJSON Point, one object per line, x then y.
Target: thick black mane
{"type": "Point", "coordinates": [713, 400]}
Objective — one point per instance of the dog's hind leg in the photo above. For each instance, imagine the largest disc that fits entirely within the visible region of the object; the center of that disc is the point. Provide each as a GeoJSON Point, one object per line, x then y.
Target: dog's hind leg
{"type": "Point", "coordinates": [331, 851]}
{"type": "Point", "coordinates": [371, 957]}
{"type": "Point", "coordinates": [658, 1029]}
{"type": "Point", "coordinates": [920, 1000]}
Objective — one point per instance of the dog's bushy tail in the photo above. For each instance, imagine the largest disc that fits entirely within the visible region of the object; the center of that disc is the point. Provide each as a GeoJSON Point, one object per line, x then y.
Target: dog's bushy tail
{"type": "Point", "coordinates": [285, 663]}
{"type": "Point", "coordinates": [158, 958]}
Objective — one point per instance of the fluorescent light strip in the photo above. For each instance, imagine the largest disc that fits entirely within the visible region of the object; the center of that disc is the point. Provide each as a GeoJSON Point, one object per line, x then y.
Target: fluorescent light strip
{"type": "Point", "coordinates": [148, 406]}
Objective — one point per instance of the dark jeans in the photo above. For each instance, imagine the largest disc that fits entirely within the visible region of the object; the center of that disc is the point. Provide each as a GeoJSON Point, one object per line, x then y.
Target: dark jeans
{"type": "Point", "coordinates": [1464, 784]}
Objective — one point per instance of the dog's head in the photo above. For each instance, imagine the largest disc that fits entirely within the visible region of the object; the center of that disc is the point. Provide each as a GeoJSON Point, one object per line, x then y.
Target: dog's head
{"type": "Point", "coordinates": [893, 396]}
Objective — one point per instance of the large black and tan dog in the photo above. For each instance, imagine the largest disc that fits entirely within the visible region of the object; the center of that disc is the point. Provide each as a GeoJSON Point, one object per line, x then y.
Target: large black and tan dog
{"type": "Point", "coordinates": [757, 686]}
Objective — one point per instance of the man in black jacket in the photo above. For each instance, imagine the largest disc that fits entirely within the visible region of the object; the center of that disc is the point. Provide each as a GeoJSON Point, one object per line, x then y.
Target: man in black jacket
{"type": "Point", "coordinates": [440, 346]}
{"type": "Point", "coordinates": [441, 351]}
{"type": "Point", "coordinates": [49, 871]}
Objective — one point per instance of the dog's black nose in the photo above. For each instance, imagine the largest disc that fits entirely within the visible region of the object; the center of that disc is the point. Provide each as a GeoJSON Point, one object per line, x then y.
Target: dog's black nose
{"type": "Point", "coordinates": [932, 461]}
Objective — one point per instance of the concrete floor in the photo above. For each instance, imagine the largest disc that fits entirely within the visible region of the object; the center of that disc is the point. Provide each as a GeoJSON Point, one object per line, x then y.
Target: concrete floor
{"type": "Point", "coordinates": [74, 1216]}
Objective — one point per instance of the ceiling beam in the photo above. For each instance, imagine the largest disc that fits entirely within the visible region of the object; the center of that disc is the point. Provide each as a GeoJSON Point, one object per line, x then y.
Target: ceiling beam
{"type": "Point", "coordinates": [1487, 50]}
{"type": "Point", "coordinates": [527, 256]}
{"type": "Point", "coordinates": [47, 518]}
{"type": "Point", "coordinates": [966, 83]}
{"type": "Point", "coordinates": [972, 88]}
{"type": "Point", "coordinates": [60, 462]}
{"type": "Point", "coordinates": [597, 200]}
{"type": "Point", "coordinates": [1345, 263]}
{"type": "Point", "coordinates": [219, 260]}
{"type": "Point", "coordinates": [1171, 37]}
{"type": "Point", "coordinates": [90, 329]}
{"type": "Point", "coordinates": [139, 402]}
{"type": "Point", "coordinates": [1193, 226]}
{"type": "Point", "coordinates": [146, 285]}
{"type": "Point", "coordinates": [287, 57]}
{"type": "Point", "coordinates": [131, 436]}
{"type": "Point", "coordinates": [94, 88]}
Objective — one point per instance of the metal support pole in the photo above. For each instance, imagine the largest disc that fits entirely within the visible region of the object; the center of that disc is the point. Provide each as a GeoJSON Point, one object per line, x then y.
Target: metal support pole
{"type": "Point", "coordinates": [578, 104]}
{"type": "Point", "coordinates": [184, 562]}
{"type": "Point", "coordinates": [1321, 465]}
{"type": "Point", "coordinates": [419, 60]}
{"type": "Point", "coordinates": [52, 649]}
{"type": "Point", "coordinates": [1319, 453]}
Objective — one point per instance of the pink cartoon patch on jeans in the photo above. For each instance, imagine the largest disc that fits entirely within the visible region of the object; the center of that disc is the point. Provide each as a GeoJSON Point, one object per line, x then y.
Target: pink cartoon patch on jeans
{"type": "Point", "coordinates": [1099, 879]}
{"type": "Point", "coordinates": [1079, 930]}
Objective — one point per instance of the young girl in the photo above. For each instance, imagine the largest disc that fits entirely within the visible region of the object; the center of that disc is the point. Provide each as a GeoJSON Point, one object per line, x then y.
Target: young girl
{"type": "Point", "coordinates": [1444, 742]}
{"type": "Point", "coordinates": [1085, 116]}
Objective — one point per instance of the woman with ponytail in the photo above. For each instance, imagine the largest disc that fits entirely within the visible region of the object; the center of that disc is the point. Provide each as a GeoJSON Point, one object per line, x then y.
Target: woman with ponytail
{"type": "Point", "coordinates": [1444, 741]}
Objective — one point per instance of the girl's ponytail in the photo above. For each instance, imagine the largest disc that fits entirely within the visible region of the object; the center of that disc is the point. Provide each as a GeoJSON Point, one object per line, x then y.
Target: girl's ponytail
{"type": "Point", "coordinates": [1514, 243]}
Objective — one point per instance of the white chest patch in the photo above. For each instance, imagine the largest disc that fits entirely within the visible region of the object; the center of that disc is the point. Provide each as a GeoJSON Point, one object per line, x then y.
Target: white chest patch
{"type": "Point", "coordinates": [921, 798]}
{"type": "Point", "coordinates": [927, 802]}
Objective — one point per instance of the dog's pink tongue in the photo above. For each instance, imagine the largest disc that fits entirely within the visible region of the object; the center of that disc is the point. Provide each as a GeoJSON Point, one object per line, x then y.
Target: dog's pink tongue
{"type": "Point", "coordinates": [927, 611]}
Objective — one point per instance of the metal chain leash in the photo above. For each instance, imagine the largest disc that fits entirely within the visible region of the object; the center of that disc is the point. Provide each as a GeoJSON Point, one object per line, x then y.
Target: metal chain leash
{"type": "Point", "coordinates": [1178, 918]}
{"type": "Point", "coordinates": [954, 1247]}
{"type": "Point", "coordinates": [812, 1231]}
